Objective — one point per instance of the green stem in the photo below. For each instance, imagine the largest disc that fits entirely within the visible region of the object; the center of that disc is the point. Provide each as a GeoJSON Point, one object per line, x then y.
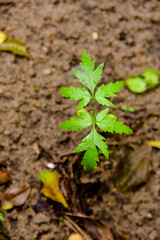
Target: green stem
{"type": "Point", "coordinates": [94, 117]}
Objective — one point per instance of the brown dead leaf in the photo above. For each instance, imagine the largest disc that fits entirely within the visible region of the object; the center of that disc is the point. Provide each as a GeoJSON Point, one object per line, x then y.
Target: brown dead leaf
{"type": "Point", "coordinates": [4, 176]}
{"type": "Point", "coordinates": [14, 196]}
{"type": "Point", "coordinates": [134, 169]}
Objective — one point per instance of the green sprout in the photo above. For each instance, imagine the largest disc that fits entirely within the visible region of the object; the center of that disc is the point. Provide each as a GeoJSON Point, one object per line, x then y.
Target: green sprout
{"type": "Point", "coordinates": [93, 142]}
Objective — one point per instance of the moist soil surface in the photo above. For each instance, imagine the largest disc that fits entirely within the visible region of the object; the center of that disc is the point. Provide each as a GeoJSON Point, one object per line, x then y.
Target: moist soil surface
{"type": "Point", "coordinates": [125, 36]}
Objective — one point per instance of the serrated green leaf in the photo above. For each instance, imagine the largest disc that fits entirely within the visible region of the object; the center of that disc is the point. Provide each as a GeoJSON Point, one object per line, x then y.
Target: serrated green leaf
{"type": "Point", "coordinates": [90, 158]}
{"type": "Point", "coordinates": [100, 143]}
{"type": "Point", "coordinates": [76, 94]}
{"type": "Point", "coordinates": [89, 77]}
{"type": "Point", "coordinates": [120, 127]}
{"type": "Point", "coordinates": [106, 91]}
{"type": "Point", "coordinates": [94, 139]}
{"type": "Point", "coordinates": [87, 65]}
{"type": "Point", "coordinates": [104, 101]}
{"type": "Point", "coordinates": [110, 89]}
{"type": "Point", "coordinates": [106, 125]}
{"type": "Point", "coordinates": [102, 114]}
{"type": "Point", "coordinates": [84, 120]}
{"type": "Point", "coordinates": [83, 78]}
{"type": "Point", "coordinates": [96, 75]}
{"type": "Point", "coordinates": [85, 143]}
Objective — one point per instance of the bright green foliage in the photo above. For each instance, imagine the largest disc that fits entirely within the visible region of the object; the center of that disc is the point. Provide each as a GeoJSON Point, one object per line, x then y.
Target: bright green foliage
{"type": "Point", "coordinates": [106, 91]}
{"type": "Point", "coordinates": [148, 79]}
{"type": "Point", "coordinates": [76, 94]}
{"type": "Point", "coordinates": [106, 122]}
{"type": "Point", "coordinates": [84, 120]}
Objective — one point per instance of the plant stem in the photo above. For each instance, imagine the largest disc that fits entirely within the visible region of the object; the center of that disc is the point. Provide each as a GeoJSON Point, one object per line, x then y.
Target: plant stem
{"type": "Point", "coordinates": [94, 118]}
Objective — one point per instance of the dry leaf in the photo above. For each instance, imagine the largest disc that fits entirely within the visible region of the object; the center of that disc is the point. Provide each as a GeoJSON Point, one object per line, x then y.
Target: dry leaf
{"type": "Point", "coordinates": [51, 188]}
{"type": "Point", "coordinates": [3, 37]}
{"type": "Point", "coordinates": [15, 46]}
{"type": "Point", "coordinates": [134, 169]}
{"type": "Point", "coordinates": [4, 176]}
{"type": "Point", "coordinates": [14, 196]}
{"type": "Point", "coordinates": [75, 236]}
{"type": "Point", "coordinates": [155, 144]}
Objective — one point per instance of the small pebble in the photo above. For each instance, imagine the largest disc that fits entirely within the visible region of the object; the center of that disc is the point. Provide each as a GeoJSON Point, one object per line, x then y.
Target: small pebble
{"type": "Point", "coordinates": [95, 36]}
{"type": "Point", "coordinates": [38, 104]}
{"type": "Point", "coordinates": [41, 218]}
{"type": "Point", "coordinates": [51, 165]}
{"type": "Point", "coordinates": [23, 124]}
{"type": "Point", "coordinates": [47, 71]}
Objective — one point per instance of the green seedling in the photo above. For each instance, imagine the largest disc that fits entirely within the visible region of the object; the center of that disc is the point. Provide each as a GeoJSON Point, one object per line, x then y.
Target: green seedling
{"type": "Point", "coordinates": [93, 142]}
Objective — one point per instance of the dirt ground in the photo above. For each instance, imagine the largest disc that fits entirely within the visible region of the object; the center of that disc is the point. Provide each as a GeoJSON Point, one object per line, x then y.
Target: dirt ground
{"type": "Point", "coordinates": [125, 36]}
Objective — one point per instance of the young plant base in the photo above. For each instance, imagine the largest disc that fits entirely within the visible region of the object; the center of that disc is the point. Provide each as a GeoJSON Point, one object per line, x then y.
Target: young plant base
{"type": "Point", "coordinates": [89, 77]}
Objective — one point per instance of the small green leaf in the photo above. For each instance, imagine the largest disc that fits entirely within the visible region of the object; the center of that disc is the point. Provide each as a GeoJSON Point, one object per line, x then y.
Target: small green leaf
{"type": "Point", "coordinates": [86, 64]}
{"type": "Point", "coordinates": [136, 84]}
{"type": "Point", "coordinates": [83, 78]}
{"type": "Point", "coordinates": [104, 101]}
{"type": "Point", "coordinates": [152, 77]}
{"type": "Point", "coordinates": [100, 143]}
{"type": "Point", "coordinates": [106, 125]}
{"type": "Point", "coordinates": [110, 89]}
{"type": "Point", "coordinates": [93, 139]}
{"type": "Point", "coordinates": [90, 158]}
{"type": "Point", "coordinates": [96, 76]}
{"type": "Point", "coordinates": [119, 127]}
{"type": "Point", "coordinates": [89, 77]}
{"type": "Point", "coordinates": [83, 121]}
{"type": "Point", "coordinates": [101, 115]}
{"type": "Point", "coordinates": [106, 91]}
{"type": "Point", "coordinates": [15, 46]}
{"type": "Point", "coordinates": [76, 94]}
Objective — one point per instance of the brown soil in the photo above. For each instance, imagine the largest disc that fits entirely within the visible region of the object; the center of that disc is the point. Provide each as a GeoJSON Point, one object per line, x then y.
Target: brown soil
{"type": "Point", "coordinates": [56, 33]}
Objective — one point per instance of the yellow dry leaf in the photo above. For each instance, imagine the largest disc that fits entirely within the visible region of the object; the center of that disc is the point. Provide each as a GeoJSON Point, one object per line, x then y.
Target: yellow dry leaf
{"type": "Point", "coordinates": [3, 37]}
{"type": "Point", "coordinates": [51, 188]}
{"type": "Point", "coordinates": [75, 236]}
{"type": "Point", "coordinates": [155, 144]}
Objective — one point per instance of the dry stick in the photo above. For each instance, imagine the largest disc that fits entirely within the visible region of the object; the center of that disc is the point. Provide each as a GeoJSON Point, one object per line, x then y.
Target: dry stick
{"type": "Point", "coordinates": [76, 228]}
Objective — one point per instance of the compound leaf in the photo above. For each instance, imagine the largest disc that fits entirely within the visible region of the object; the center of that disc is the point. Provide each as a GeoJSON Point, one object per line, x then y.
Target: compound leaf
{"type": "Point", "coordinates": [76, 94]}
{"type": "Point", "coordinates": [84, 120]}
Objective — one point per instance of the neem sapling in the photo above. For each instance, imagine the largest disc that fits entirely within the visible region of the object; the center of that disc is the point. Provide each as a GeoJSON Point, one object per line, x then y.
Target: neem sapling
{"type": "Point", "coordinates": [93, 142]}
